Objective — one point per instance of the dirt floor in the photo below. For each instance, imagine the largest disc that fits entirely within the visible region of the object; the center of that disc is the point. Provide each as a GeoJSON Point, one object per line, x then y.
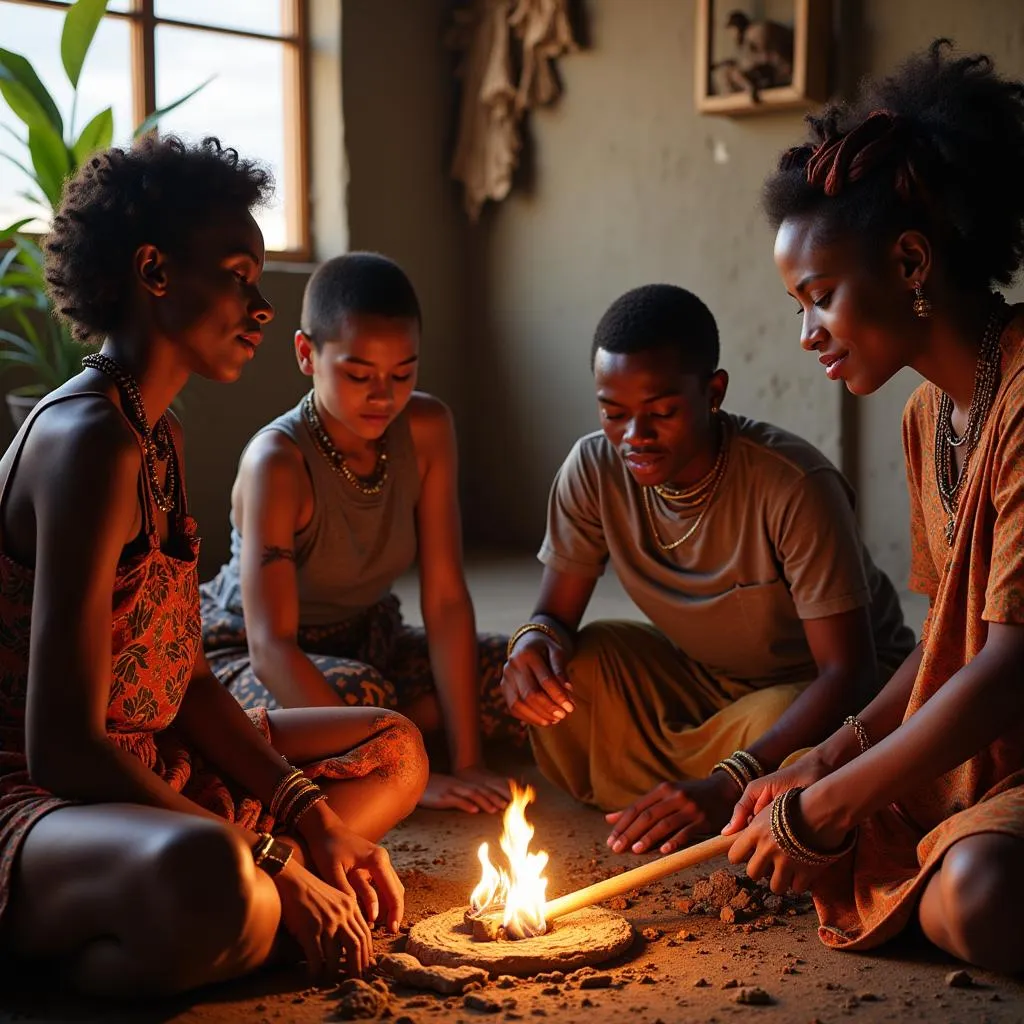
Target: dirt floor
{"type": "Point", "coordinates": [682, 967]}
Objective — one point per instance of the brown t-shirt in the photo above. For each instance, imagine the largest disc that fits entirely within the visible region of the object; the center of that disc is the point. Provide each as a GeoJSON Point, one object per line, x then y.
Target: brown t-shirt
{"type": "Point", "coordinates": [779, 544]}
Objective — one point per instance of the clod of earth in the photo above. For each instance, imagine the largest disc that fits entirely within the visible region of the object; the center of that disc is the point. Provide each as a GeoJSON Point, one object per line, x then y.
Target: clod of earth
{"type": "Point", "coordinates": [360, 1001]}
{"type": "Point", "coordinates": [754, 997]}
{"type": "Point", "coordinates": [407, 970]}
{"type": "Point", "coordinates": [480, 1003]}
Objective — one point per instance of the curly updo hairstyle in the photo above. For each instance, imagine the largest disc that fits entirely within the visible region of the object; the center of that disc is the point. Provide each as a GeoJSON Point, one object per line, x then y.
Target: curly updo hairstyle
{"type": "Point", "coordinates": [158, 192]}
{"type": "Point", "coordinates": [938, 147]}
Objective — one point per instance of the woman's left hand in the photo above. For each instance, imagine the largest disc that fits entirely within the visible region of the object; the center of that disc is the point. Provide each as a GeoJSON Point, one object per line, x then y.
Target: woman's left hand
{"type": "Point", "coordinates": [672, 814]}
{"type": "Point", "coordinates": [756, 847]}
{"type": "Point", "coordinates": [471, 789]}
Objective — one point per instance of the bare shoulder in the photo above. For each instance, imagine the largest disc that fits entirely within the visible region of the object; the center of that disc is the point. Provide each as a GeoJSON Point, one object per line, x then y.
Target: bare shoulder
{"type": "Point", "coordinates": [273, 454]}
{"type": "Point", "coordinates": [272, 479]}
{"type": "Point", "coordinates": [431, 423]}
{"type": "Point", "coordinates": [81, 455]}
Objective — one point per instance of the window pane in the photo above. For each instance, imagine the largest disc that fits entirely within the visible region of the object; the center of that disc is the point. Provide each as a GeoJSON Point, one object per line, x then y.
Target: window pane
{"type": "Point", "coordinates": [34, 32]}
{"type": "Point", "coordinates": [243, 105]}
{"type": "Point", "coordinates": [250, 15]}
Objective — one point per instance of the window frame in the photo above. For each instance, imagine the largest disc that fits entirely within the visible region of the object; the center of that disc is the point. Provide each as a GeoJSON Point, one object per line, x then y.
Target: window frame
{"type": "Point", "coordinates": [143, 22]}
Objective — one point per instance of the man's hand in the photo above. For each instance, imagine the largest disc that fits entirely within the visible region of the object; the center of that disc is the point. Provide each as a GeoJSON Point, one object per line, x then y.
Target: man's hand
{"type": "Point", "coordinates": [471, 789]}
{"type": "Point", "coordinates": [535, 682]}
{"type": "Point", "coordinates": [673, 814]}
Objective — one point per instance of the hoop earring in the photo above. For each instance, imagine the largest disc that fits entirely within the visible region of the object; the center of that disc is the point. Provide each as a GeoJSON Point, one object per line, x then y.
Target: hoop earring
{"type": "Point", "coordinates": [922, 306]}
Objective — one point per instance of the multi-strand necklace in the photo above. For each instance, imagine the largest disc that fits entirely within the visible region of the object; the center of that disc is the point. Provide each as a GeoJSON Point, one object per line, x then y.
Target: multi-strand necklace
{"type": "Point", "coordinates": [986, 383]}
{"type": "Point", "coordinates": [336, 460]}
{"type": "Point", "coordinates": [688, 499]}
{"type": "Point", "coordinates": [157, 444]}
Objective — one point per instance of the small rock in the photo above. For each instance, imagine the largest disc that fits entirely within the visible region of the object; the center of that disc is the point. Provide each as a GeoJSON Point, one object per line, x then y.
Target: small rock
{"type": "Point", "coordinates": [851, 1003]}
{"type": "Point", "coordinates": [648, 979]}
{"type": "Point", "coordinates": [868, 997]}
{"type": "Point", "coordinates": [554, 977]}
{"type": "Point", "coordinates": [487, 929]}
{"type": "Point", "coordinates": [729, 915]}
{"type": "Point", "coordinates": [685, 936]}
{"type": "Point", "coordinates": [480, 1003]}
{"type": "Point", "coordinates": [731, 983]}
{"type": "Point", "coordinates": [754, 997]}
{"type": "Point", "coordinates": [959, 979]}
{"type": "Point", "coordinates": [685, 905]}
{"type": "Point", "coordinates": [551, 990]}
{"type": "Point", "coordinates": [506, 981]}
{"type": "Point", "coordinates": [596, 981]}
{"type": "Point", "coordinates": [702, 983]}
{"type": "Point", "coordinates": [652, 934]}
{"type": "Point", "coordinates": [620, 903]}
{"type": "Point", "coordinates": [359, 1001]}
{"type": "Point", "coordinates": [586, 1002]}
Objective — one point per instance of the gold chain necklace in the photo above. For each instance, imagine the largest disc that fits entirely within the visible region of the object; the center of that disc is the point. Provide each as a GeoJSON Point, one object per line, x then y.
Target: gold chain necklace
{"type": "Point", "coordinates": [157, 444]}
{"type": "Point", "coordinates": [986, 383]}
{"type": "Point", "coordinates": [720, 466]}
{"type": "Point", "coordinates": [683, 499]}
{"type": "Point", "coordinates": [336, 460]}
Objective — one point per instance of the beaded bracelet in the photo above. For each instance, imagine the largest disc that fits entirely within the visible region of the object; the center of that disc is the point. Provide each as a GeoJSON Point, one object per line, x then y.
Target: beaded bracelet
{"type": "Point", "coordinates": [742, 767]}
{"type": "Point", "coordinates": [531, 627]}
{"type": "Point", "coordinates": [786, 839]}
{"type": "Point", "coordinates": [730, 768]}
{"type": "Point", "coordinates": [755, 767]}
{"type": "Point", "coordinates": [862, 734]}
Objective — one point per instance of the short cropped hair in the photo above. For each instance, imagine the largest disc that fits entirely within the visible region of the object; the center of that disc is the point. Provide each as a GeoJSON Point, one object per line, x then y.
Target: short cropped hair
{"type": "Point", "coordinates": [158, 192]}
{"type": "Point", "coordinates": [661, 316]}
{"type": "Point", "coordinates": [356, 284]}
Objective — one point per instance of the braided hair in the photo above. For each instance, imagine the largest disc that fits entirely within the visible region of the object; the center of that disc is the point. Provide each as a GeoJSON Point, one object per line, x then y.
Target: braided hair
{"type": "Point", "coordinates": [159, 192]}
{"type": "Point", "coordinates": [937, 147]}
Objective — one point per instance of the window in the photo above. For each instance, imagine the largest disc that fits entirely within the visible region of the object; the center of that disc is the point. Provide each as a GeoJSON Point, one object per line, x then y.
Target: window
{"type": "Point", "coordinates": [149, 53]}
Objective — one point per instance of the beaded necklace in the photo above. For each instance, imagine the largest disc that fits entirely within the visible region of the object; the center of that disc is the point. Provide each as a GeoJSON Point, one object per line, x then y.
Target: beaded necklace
{"type": "Point", "coordinates": [336, 460]}
{"type": "Point", "coordinates": [157, 444]}
{"type": "Point", "coordinates": [986, 383]}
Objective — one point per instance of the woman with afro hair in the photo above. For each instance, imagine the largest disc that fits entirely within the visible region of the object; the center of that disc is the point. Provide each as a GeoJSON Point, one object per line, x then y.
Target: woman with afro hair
{"type": "Point", "coordinates": [151, 839]}
{"type": "Point", "coordinates": [895, 224]}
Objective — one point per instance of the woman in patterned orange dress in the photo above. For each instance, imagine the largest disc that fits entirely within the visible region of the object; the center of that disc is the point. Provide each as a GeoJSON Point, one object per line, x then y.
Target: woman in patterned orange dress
{"type": "Point", "coordinates": [132, 786]}
{"type": "Point", "coordinates": [894, 224]}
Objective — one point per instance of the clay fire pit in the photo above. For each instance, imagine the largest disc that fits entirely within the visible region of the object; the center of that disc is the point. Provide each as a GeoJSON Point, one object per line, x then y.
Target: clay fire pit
{"type": "Point", "coordinates": [588, 936]}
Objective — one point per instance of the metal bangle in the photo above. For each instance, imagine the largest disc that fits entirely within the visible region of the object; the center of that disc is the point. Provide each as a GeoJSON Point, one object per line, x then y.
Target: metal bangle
{"type": "Point", "coordinates": [531, 627]}
{"type": "Point", "coordinates": [863, 740]}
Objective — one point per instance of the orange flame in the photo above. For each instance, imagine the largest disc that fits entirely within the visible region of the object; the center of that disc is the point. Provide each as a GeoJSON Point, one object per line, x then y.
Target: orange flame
{"type": "Point", "coordinates": [519, 894]}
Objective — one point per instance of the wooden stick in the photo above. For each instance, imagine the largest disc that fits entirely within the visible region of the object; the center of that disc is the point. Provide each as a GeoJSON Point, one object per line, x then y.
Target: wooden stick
{"type": "Point", "coordinates": [619, 885]}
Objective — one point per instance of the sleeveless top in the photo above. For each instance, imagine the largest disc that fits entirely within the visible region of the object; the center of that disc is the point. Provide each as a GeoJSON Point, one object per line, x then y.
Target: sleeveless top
{"type": "Point", "coordinates": [355, 545]}
{"type": "Point", "coordinates": [155, 640]}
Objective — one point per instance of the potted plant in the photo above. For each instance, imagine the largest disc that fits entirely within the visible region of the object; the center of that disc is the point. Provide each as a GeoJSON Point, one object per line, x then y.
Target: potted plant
{"type": "Point", "coordinates": [32, 337]}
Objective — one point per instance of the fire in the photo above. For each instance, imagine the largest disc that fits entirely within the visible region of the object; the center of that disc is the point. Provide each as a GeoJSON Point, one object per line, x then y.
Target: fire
{"type": "Point", "coordinates": [518, 894]}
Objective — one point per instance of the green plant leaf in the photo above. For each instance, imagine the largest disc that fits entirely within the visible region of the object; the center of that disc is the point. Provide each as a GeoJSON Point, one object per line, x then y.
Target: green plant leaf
{"type": "Point", "coordinates": [80, 24]}
{"type": "Point", "coordinates": [12, 229]}
{"type": "Point", "coordinates": [18, 77]}
{"type": "Point", "coordinates": [97, 134]}
{"type": "Point", "coordinates": [154, 119]}
{"type": "Point", "coordinates": [51, 162]}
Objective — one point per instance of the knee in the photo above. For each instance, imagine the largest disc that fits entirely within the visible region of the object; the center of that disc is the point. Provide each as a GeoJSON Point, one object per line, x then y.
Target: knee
{"type": "Point", "coordinates": [982, 893]}
{"type": "Point", "coordinates": [587, 667]}
{"type": "Point", "coordinates": [403, 759]}
{"type": "Point", "coordinates": [204, 876]}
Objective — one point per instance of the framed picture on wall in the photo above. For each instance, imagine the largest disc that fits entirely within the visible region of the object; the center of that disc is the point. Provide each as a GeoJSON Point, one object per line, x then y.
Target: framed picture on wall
{"type": "Point", "coordinates": [756, 56]}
